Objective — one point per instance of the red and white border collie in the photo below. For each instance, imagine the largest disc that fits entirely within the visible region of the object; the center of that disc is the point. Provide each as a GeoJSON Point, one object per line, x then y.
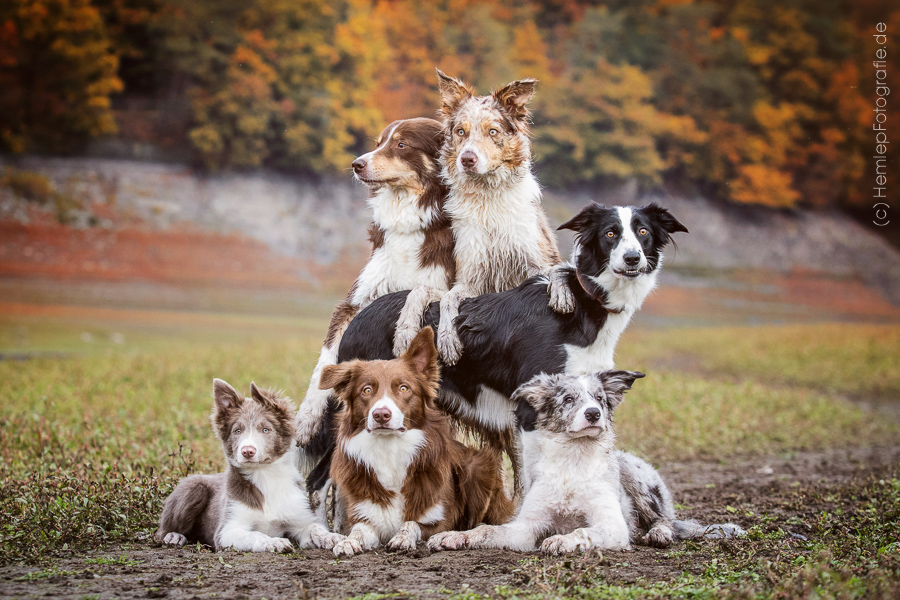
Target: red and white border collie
{"type": "Point", "coordinates": [412, 245]}
{"type": "Point", "coordinates": [499, 226]}
{"type": "Point", "coordinates": [400, 474]}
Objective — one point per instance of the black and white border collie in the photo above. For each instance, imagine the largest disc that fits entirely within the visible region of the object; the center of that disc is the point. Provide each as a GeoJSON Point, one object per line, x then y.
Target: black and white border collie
{"type": "Point", "coordinates": [581, 493]}
{"type": "Point", "coordinates": [412, 247]}
{"type": "Point", "coordinates": [501, 232]}
{"type": "Point", "coordinates": [509, 337]}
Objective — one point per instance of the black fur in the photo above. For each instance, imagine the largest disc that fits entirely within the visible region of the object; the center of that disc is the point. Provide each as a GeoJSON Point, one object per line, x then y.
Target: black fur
{"type": "Point", "coordinates": [509, 337]}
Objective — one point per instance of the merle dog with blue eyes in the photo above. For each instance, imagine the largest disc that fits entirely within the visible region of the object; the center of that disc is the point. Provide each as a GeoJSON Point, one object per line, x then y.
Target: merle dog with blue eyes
{"type": "Point", "coordinates": [509, 337]}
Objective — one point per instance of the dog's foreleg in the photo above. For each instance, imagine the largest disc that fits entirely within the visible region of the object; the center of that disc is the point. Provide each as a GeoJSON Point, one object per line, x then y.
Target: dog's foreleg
{"type": "Point", "coordinates": [245, 540]}
{"type": "Point", "coordinates": [312, 410]}
{"type": "Point", "coordinates": [607, 530]}
{"type": "Point", "coordinates": [318, 536]}
{"type": "Point", "coordinates": [519, 535]}
{"type": "Point", "coordinates": [412, 316]}
{"type": "Point", "coordinates": [562, 300]}
{"type": "Point", "coordinates": [407, 538]}
{"type": "Point", "coordinates": [362, 538]}
{"type": "Point", "coordinates": [448, 342]}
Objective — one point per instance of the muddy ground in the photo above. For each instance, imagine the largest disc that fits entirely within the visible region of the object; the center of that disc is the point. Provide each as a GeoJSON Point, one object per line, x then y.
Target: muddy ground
{"type": "Point", "coordinates": [706, 491]}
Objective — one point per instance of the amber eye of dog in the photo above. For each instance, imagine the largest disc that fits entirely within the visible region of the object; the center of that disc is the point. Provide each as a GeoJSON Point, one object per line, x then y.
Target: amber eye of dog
{"type": "Point", "coordinates": [610, 234]}
{"type": "Point", "coordinates": [367, 390]}
{"type": "Point", "coordinates": [493, 132]}
{"type": "Point", "coordinates": [568, 399]}
{"type": "Point", "coordinates": [404, 388]}
{"type": "Point", "coordinates": [401, 145]}
{"type": "Point", "coordinates": [642, 231]}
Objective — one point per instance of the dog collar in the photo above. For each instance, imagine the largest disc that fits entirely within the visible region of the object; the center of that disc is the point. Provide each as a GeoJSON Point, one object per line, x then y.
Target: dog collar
{"type": "Point", "coordinates": [594, 296]}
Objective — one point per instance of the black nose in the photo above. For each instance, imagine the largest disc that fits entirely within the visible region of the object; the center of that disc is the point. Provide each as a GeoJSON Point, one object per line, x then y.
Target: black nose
{"type": "Point", "coordinates": [592, 414]}
{"type": "Point", "coordinates": [632, 258]}
{"type": "Point", "coordinates": [358, 165]}
{"type": "Point", "coordinates": [468, 159]}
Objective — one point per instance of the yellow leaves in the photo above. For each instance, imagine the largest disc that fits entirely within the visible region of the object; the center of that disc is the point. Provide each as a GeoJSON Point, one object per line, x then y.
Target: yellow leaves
{"type": "Point", "coordinates": [761, 184]}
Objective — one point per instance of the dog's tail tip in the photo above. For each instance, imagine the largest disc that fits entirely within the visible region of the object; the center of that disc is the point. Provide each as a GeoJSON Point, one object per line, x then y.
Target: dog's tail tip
{"type": "Point", "coordinates": [685, 530]}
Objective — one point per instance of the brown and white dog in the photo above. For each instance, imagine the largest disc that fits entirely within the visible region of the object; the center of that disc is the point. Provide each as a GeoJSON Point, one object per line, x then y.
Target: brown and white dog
{"type": "Point", "coordinates": [412, 245]}
{"type": "Point", "coordinates": [500, 229]}
{"type": "Point", "coordinates": [400, 474]}
{"type": "Point", "coordinates": [259, 503]}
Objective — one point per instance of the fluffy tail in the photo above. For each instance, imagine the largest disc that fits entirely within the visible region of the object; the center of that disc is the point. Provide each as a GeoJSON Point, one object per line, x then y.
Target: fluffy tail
{"type": "Point", "coordinates": [685, 530]}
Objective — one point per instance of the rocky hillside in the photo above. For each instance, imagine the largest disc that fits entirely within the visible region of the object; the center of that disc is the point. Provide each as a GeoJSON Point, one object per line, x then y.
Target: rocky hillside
{"type": "Point", "coordinates": [323, 223]}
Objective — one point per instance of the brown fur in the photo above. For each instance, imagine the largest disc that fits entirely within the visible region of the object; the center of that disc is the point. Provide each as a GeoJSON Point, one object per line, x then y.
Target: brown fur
{"type": "Point", "coordinates": [466, 482]}
{"type": "Point", "coordinates": [195, 507]}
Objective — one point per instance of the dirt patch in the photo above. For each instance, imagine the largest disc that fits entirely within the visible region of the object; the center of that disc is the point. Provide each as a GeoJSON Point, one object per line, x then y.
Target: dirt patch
{"type": "Point", "coordinates": [795, 489]}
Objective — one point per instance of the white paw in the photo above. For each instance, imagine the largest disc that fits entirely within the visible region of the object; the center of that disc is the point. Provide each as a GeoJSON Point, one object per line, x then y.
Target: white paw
{"type": "Point", "coordinates": [277, 545]}
{"type": "Point", "coordinates": [449, 346]}
{"type": "Point", "coordinates": [327, 540]}
{"type": "Point", "coordinates": [561, 544]}
{"type": "Point", "coordinates": [174, 539]}
{"type": "Point", "coordinates": [402, 338]}
{"type": "Point", "coordinates": [347, 547]}
{"type": "Point", "coordinates": [562, 300]}
{"type": "Point", "coordinates": [402, 542]}
{"type": "Point", "coordinates": [308, 422]}
{"type": "Point", "coordinates": [448, 540]}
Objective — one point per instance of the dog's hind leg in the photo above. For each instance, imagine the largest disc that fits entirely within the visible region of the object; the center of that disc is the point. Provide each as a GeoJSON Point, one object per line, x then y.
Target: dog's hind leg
{"type": "Point", "coordinates": [183, 513]}
{"type": "Point", "coordinates": [653, 518]}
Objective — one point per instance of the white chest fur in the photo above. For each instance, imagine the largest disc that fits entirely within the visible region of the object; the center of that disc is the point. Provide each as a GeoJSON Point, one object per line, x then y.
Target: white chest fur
{"type": "Point", "coordinates": [387, 457]}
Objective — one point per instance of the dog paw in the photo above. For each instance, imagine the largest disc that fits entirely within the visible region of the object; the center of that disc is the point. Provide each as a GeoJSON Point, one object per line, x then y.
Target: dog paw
{"type": "Point", "coordinates": [449, 346]}
{"type": "Point", "coordinates": [723, 531]}
{"type": "Point", "coordinates": [562, 300]}
{"type": "Point", "coordinates": [659, 537]}
{"type": "Point", "coordinates": [402, 542]}
{"type": "Point", "coordinates": [307, 425]}
{"type": "Point", "coordinates": [327, 540]}
{"type": "Point", "coordinates": [277, 545]}
{"type": "Point", "coordinates": [174, 539]}
{"type": "Point", "coordinates": [448, 540]}
{"type": "Point", "coordinates": [561, 544]}
{"type": "Point", "coordinates": [347, 547]}
{"type": "Point", "coordinates": [402, 338]}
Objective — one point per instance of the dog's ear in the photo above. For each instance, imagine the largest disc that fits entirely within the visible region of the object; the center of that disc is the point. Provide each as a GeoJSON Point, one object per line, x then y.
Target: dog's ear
{"type": "Point", "coordinates": [453, 93]}
{"type": "Point", "coordinates": [528, 399]}
{"type": "Point", "coordinates": [589, 214]}
{"type": "Point", "coordinates": [225, 396]}
{"type": "Point", "coordinates": [663, 218]}
{"type": "Point", "coordinates": [616, 383]}
{"type": "Point", "coordinates": [422, 355]}
{"type": "Point", "coordinates": [258, 394]}
{"type": "Point", "coordinates": [337, 377]}
{"type": "Point", "coordinates": [514, 96]}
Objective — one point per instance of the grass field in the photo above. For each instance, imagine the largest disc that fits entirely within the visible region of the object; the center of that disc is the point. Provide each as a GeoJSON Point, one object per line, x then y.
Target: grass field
{"type": "Point", "coordinates": [92, 441]}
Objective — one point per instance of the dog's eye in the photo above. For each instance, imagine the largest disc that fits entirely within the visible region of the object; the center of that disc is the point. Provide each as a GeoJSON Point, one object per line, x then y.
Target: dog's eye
{"type": "Point", "coordinates": [494, 132]}
{"type": "Point", "coordinates": [265, 430]}
{"type": "Point", "coordinates": [367, 390]}
{"type": "Point", "coordinates": [568, 400]}
{"type": "Point", "coordinates": [460, 131]}
{"type": "Point", "coordinates": [404, 388]}
{"type": "Point", "coordinates": [237, 431]}
{"type": "Point", "coordinates": [610, 234]}
{"type": "Point", "coordinates": [401, 145]}
{"type": "Point", "coordinates": [642, 231]}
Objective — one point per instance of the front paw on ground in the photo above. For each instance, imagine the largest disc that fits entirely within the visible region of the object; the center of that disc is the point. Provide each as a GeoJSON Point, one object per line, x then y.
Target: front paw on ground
{"type": "Point", "coordinates": [328, 541]}
{"type": "Point", "coordinates": [559, 544]}
{"type": "Point", "coordinates": [277, 545]}
{"type": "Point", "coordinates": [347, 547]}
{"type": "Point", "coordinates": [401, 543]}
{"type": "Point", "coordinates": [448, 540]}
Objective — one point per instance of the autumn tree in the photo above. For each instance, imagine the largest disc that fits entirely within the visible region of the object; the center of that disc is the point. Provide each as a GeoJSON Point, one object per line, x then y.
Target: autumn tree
{"type": "Point", "coordinates": [57, 73]}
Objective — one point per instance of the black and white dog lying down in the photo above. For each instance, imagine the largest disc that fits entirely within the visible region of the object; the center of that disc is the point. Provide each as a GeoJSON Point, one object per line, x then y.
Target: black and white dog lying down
{"type": "Point", "coordinates": [581, 493]}
{"type": "Point", "coordinates": [509, 337]}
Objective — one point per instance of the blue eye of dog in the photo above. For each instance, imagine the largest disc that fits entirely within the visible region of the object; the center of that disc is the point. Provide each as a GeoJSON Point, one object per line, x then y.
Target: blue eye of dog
{"type": "Point", "coordinates": [237, 430]}
{"type": "Point", "coordinates": [460, 132]}
{"type": "Point", "coordinates": [265, 430]}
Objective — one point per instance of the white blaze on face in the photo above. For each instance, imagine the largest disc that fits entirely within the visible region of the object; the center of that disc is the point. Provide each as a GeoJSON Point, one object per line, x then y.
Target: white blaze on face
{"type": "Point", "coordinates": [580, 422]}
{"type": "Point", "coordinates": [394, 424]}
{"type": "Point", "coordinates": [251, 439]}
{"type": "Point", "coordinates": [628, 242]}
